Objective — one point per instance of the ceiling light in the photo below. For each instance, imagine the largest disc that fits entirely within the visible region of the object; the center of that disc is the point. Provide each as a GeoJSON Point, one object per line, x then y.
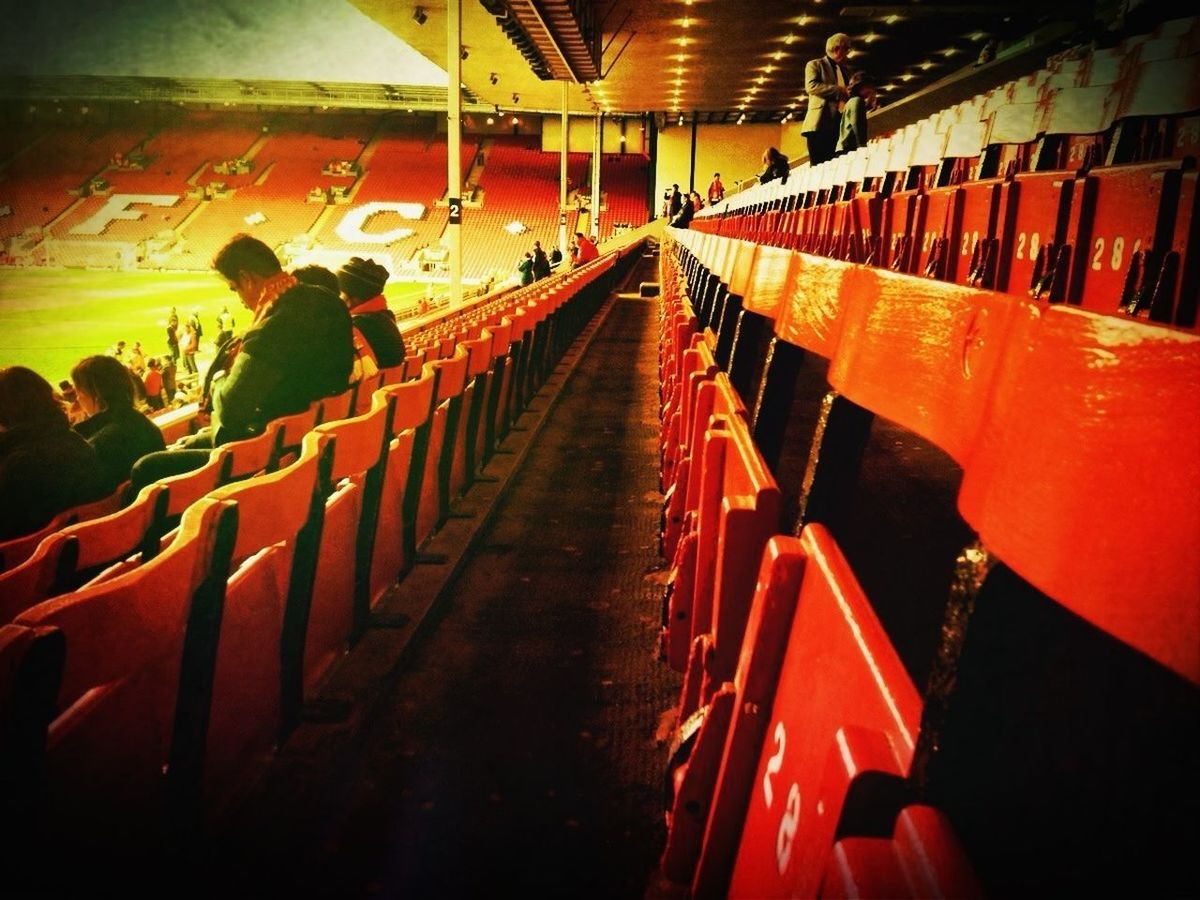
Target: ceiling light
{"type": "Point", "coordinates": [491, 121]}
{"type": "Point", "coordinates": [870, 37]}
{"type": "Point", "coordinates": [950, 51]}
{"type": "Point", "coordinates": [977, 35]}
{"type": "Point", "coordinates": [516, 121]}
{"type": "Point", "coordinates": [907, 76]}
{"type": "Point", "coordinates": [928, 64]}
{"type": "Point", "coordinates": [778, 54]}
{"type": "Point", "coordinates": [892, 19]}
{"type": "Point", "coordinates": [687, 23]}
{"type": "Point", "coordinates": [679, 121]}
{"type": "Point", "coordinates": [789, 38]}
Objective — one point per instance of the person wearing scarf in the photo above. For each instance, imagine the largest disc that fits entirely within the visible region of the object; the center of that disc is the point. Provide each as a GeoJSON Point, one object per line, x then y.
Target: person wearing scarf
{"type": "Point", "coordinates": [361, 282]}
{"type": "Point", "coordinates": [297, 349]}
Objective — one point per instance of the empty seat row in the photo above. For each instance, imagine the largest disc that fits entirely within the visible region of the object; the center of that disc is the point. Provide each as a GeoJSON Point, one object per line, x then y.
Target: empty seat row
{"type": "Point", "coordinates": [1033, 403]}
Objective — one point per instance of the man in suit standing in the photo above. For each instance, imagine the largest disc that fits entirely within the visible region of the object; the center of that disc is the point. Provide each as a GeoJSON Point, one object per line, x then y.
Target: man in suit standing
{"type": "Point", "coordinates": [825, 81]}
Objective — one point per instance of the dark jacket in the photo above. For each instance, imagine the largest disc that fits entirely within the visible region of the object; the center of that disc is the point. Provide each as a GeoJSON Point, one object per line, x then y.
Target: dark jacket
{"type": "Point", "coordinates": [541, 264]}
{"type": "Point", "coordinates": [120, 438]}
{"type": "Point", "coordinates": [299, 350]}
{"type": "Point", "coordinates": [378, 325]}
{"type": "Point", "coordinates": [777, 168]}
{"type": "Point", "coordinates": [684, 219]}
{"type": "Point", "coordinates": [43, 471]}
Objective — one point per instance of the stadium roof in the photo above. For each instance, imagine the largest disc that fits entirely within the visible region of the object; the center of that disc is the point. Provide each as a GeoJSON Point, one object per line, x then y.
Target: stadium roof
{"type": "Point", "coordinates": [712, 58]}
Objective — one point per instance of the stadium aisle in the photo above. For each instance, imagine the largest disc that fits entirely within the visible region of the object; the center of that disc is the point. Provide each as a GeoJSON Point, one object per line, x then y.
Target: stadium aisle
{"type": "Point", "coordinates": [518, 753]}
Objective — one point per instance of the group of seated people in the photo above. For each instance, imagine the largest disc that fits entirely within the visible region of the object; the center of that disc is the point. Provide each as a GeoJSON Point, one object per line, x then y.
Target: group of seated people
{"type": "Point", "coordinates": [313, 332]}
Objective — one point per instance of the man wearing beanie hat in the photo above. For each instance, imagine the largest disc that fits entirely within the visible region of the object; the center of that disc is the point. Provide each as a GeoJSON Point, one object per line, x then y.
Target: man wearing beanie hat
{"type": "Point", "coordinates": [361, 282]}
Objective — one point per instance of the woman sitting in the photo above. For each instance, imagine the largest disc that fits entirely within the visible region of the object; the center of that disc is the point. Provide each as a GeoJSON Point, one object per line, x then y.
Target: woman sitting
{"type": "Point", "coordinates": [45, 468]}
{"type": "Point", "coordinates": [119, 433]}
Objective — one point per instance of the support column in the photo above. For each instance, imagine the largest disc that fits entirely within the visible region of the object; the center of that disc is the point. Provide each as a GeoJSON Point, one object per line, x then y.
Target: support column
{"type": "Point", "coordinates": [562, 174]}
{"type": "Point", "coordinates": [597, 150]}
{"type": "Point", "coordinates": [454, 178]}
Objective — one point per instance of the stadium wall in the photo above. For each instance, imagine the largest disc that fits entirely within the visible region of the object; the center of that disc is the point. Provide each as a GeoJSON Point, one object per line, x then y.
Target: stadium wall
{"type": "Point", "coordinates": [733, 150]}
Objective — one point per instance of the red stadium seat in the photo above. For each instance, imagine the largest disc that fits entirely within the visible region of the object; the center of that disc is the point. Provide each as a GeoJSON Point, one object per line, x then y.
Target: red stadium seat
{"type": "Point", "coordinates": [126, 746]}
{"type": "Point", "coordinates": [258, 680]}
{"type": "Point", "coordinates": [921, 859]}
{"type": "Point", "coordinates": [79, 552]}
{"type": "Point", "coordinates": [395, 541]}
{"type": "Point", "coordinates": [341, 591]}
{"type": "Point", "coordinates": [844, 719]}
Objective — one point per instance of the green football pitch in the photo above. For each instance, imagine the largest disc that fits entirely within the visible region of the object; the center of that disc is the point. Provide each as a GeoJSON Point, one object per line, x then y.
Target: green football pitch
{"type": "Point", "coordinates": [50, 319]}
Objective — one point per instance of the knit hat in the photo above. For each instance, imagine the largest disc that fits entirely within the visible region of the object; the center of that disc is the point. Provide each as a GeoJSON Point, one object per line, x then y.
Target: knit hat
{"type": "Point", "coordinates": [362, 279]}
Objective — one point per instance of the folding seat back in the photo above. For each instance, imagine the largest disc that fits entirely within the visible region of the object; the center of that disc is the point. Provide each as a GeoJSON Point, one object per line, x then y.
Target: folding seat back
{"type": "Point", "coordinates": [712, 787]}
{"type": "Point", "coordinates": [504, 366]}
{"type": "Point", "coordinates": [341, 592]}
{"type": "Point", "coordinates": [1068, 733]}
{"type": "Point", "coordinates": [186, 488]}
{"type": "Point", "coordinates": [293, 428]}
{"type": "Point", "coordinates": [31, 667]}
{"type": "Point", "coordinates": [949, 341]}
{"type": "Point", "coordinates": [921, 858]}
{"type": "Point", "coordinates": [363, 392]}
{"type": "Point", "coordinates": [466, 458]}
{"type": "Point", "coordinates": [254, 455]}
{"type": "Point", "coordinates": [1128, 525]}
{"type": "Point", "coordinates": [435, 492]}
{"type": "Point", "coordinates": [1032, 253]}
{"type": "Point", "coordinates": [392, 374]}
{"type": "Point", "coordinates": [751, 505]}
{"type": "Point", "coordinates": [1158, 113]}
{"type": "Point", "coordinates": [413, 361]}
{"type": "Point", "coordinates": [395, 541]}
{"type": "Point", "coordinates": [258, 680]}
{"type": "Point", "coordinates": [338, 406]}
{"type": "Point", "coordinates": [901, 210]}
{"type": "Point", "coordinates": [79, 552]}
{"type": "Point", "coordinates": [828, 735]}
{"type": "Point", "coordinates": [979, 202]}
{"type": "Point", "coordinates": [16, 550]}
{"type": "Point", "coordinates": [126, 745]}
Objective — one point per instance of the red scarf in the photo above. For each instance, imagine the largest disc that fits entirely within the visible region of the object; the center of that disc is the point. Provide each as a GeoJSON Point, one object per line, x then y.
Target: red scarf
{"type": "Point", "coordinates": [375, 304]}
{"type": "Point", "coordinates": [273, 287]}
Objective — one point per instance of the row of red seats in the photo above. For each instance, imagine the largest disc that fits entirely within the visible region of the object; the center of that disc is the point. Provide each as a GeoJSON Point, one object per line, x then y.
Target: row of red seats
{"type": "Point", "coordinates": [1085, 195]}
{"type": "Point", "coordinates": [1050, 412]}
{"type": "Point", "coordinates": [793, 699]}
{"type": "Point", "coordinates": [143, 700]}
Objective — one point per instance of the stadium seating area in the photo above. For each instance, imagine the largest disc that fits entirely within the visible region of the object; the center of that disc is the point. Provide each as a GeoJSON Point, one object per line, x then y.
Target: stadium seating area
{"type": "Point", "coordinates": [520, 183]}
{"type": "Point", "coordinates": [186, 207]}
{"type": "Point", "coordinates": [1045, 748]}
{"type": "Point", "coordinates": [163, 704]}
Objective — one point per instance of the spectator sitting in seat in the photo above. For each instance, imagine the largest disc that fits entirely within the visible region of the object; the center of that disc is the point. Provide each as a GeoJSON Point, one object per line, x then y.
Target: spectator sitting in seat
{"type": "Point", "coordinates": [118, 433]}
{"type": "Point", "coordinates": [297, 349]}
{"type": "Point", "coordinates": [587, 249]}
{"type": "Point", "coordinates": [776, 166]}
{"type": "Point", "coordinates": [45, 467]}
{"type": "Point", "coordinates": [361, 282]}
{"type": "Point", "coordinates": [684, 218]}
{"type": "Point", "coordinates": [541, 262]}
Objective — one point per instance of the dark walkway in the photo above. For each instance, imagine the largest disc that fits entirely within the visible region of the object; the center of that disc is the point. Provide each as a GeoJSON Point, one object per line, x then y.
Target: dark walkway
{"type": "Point", "coordinates": [516, 754]}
